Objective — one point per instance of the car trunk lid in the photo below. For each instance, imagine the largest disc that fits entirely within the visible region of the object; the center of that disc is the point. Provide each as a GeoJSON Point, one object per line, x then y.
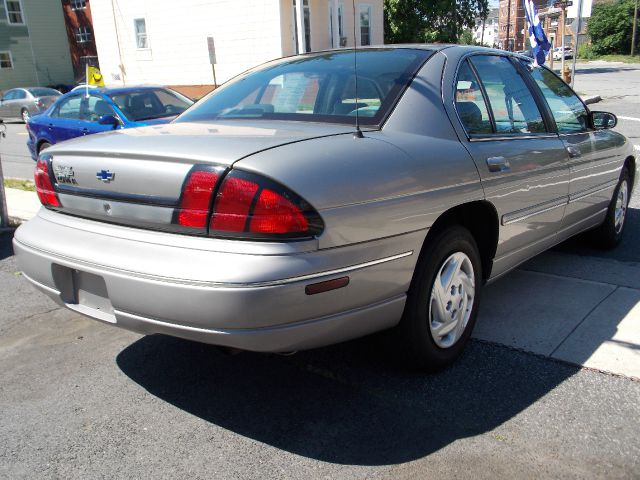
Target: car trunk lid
{"type": "Point", "coordinates": [136, 176]}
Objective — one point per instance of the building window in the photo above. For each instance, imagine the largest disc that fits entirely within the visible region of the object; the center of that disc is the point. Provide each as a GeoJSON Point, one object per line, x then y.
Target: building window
{"type": "Point", "coordinates": [365, 25]}
{"type": "Point", "coordinates": [5, 60]}
{"type": "Point", "coordinates": [14, 12]}
{"type": "Point", "coordinates": [83, 34]}
{"type": "Point", "coordinates": [78, 4]}
{"type": "Point", "coordinates": [339, 21]}
{"type": "Point", "coordinates": [140, 26]}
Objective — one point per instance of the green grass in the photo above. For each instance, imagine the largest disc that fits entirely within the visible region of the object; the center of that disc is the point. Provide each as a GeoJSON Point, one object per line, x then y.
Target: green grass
{"type": "Point", "coordinates": [20, 184]}
{"type": "Point", "coordinates": [614, 58]}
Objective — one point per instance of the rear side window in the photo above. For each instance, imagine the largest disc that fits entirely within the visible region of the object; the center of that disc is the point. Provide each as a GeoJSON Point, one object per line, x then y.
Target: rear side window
{"type": "Point", "coordinates": [470, 103]}
{"type": "Point", "coordinates": [513, 106]}
{"type": "Point", "coordinates": [568, 110]}
{"type": "Point", "coordinates": [69, 108]}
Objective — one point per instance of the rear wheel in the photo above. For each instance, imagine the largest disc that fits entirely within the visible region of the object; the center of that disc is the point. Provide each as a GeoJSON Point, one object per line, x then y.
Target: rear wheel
{"type": "Point", "coordinates": [443, 300]}
{"type": "Point", "coordinates": [42, 146]}
{"type": "Point", "coordinates": [25, 115]}
{"type": "Point", "coordinates": [609, 234]}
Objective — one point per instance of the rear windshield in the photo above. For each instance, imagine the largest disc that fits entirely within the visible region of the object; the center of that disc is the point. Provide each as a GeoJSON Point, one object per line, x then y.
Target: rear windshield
{"type": "Point", "coordinates": [316, 88]}
{"type": "Point", "coordinates": [148, 103]}
{"type": "Point", "coordinates": [44, 92]}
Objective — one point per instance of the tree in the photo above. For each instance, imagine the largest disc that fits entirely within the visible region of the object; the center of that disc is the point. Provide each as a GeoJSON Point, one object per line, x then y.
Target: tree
{"type": "Point", "coordinates": [610, 27]}
{"type": "Point", "coordinates": [408, 21]}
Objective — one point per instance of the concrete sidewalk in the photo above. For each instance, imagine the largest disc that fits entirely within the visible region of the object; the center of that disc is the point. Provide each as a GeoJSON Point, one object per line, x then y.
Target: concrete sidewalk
{"type": "Point", "coordinates": [581, 310]}
{"type": "Point", "coordinates": [21, 204]}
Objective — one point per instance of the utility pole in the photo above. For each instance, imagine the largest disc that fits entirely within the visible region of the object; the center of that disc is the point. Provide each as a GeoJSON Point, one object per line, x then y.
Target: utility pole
{"type": "Point", "coordinates": [578, 24]}
{"type": "Point", "coordinates": [633, 34]}
{"type": "Point", "coordinates": [508, 24]}
{"type": "Point", "coordinates": [4, 214]}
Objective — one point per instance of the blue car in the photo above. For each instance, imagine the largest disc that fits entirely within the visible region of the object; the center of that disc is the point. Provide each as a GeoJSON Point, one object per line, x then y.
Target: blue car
{"type": "Point", "coordinates": [84, 112]}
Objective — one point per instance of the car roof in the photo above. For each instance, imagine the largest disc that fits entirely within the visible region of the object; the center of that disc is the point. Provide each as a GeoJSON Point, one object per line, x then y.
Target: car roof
{"type": "Point", "coordinates": [119, 90]}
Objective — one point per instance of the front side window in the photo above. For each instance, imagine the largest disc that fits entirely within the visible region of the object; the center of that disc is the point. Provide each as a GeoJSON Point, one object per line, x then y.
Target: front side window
{"type": "Point", "coordinates": [513, 106]}
{"type": "Point", "coordinates": [140, 26]}
{"type": "Point", "coordinates": [83, 34]}
{"type": "Point", "coordinates": [69, 108]}
{"type": "Point", "coordinates": [365, 25]}
{"type": "Point", "coordinates": [317, 88]}
{"type": "Point", "coordinates": [568, 110]}
{"type": "Point", "coordinates": [78, 4]}
{"type": "Point", "coordinates": [470, 103]}
{"type": "Point", "coordinates": [14, 12]}
{"type": "Point", "coordinates": [97, 107]}
{"type": "Point", "coordinates": [5, 60]}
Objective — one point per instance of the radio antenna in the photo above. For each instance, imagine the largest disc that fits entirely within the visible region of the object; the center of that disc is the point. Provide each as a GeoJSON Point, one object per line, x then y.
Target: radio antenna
{"type": "Point", "coordinates": [358, 132]}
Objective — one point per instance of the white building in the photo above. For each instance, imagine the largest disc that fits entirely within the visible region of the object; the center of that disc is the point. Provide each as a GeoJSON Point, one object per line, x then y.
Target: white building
{"type": "Point", "coordinates": [486, 33]}
{"type": "Point", "coordinates": [168, 42]}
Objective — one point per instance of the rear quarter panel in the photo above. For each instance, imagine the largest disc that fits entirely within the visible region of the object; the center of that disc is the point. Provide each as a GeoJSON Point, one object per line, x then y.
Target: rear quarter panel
{"type": "Point", "coordinates": [393, 181]}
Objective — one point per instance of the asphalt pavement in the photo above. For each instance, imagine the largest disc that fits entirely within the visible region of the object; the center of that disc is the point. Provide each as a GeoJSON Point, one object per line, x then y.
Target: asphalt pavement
{"type": "Point", "coordinates": [79, 399]}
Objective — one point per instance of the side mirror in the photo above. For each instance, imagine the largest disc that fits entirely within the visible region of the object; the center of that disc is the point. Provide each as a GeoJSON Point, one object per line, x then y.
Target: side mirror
{"type": "Point", "coordinates": [109, 120]}
{"type": "Point", "coordinates": [603, 120]}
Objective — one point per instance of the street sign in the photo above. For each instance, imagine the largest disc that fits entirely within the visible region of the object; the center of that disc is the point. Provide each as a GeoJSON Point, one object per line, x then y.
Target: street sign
{"type": "Point", "coordinates": [212, 50]}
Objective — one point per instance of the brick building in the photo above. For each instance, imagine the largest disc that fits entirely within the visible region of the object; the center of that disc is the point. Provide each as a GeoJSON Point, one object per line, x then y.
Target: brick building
{"type": "Point", "coordinates": [82, 44]}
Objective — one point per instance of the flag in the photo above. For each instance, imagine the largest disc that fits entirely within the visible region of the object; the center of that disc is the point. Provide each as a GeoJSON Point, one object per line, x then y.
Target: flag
{"type": "Point", "coordinates": [94, 77]}
{"type": "Point", "coordinates": [537, 37]}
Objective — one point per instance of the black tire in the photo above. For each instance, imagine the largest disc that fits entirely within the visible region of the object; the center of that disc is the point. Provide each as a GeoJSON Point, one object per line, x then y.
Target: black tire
{"type": "Point", "coordinates": [414, 334]}
{"type": "Point", "coordinates": [608, 235]}
{"type": "Point", "coordinates": [42, 146]}
{"type": "Point", "coordinates": [24, 113]}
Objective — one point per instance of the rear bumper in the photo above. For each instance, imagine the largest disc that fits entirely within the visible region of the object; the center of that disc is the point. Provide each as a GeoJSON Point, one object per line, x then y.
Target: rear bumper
{"type": "Point", "coordinates": [189, 292]}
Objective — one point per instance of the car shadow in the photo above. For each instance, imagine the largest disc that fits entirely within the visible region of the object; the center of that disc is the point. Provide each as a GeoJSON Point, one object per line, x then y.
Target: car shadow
{"type": "Point", "coordinates": [345, 404]}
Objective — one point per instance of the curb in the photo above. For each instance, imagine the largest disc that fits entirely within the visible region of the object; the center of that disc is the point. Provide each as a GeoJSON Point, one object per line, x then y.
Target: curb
{"type": "Point", "coordinates": [594, 99]}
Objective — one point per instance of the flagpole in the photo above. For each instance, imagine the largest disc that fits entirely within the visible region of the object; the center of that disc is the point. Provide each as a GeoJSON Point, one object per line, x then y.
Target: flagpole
{"type": "Point", "coordinates": [86, 67]}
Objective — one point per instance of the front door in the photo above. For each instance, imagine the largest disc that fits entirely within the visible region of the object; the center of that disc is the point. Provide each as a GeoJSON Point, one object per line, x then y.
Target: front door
{"type": "Point", "coordinates": [592, 153]}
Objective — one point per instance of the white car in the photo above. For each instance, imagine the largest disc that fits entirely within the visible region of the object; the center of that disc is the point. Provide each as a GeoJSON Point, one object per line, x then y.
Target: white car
{"type": "Point", "coordinates": [557, 53]}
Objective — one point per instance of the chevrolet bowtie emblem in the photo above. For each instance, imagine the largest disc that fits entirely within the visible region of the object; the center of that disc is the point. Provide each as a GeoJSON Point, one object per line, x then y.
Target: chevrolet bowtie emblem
{"type": "Point", "coordinates": [105, 175]}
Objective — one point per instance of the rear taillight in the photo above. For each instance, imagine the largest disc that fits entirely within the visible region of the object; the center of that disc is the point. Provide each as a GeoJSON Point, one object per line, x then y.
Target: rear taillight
{"type": "Point", "coordinates": [246, 205]}
{"type": "Point", "coordinates": [195, 200]}
{"type": "Point", "coordinates": [44, 187]}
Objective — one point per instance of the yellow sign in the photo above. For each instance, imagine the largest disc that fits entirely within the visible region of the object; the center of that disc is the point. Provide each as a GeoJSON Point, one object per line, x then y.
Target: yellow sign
{"type": "Point", "coordinates": [94, 77]}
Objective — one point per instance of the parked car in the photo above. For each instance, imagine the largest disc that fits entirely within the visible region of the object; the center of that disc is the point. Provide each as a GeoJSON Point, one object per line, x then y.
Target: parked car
{"type": "Point", "coordinates": [78, 114]}
{"type": "Point", "coordinates": [289, 210]}
{"type": "Point", "coordinates": [21, 103]}
{"type": "Point", "coordinates": [557, 53]}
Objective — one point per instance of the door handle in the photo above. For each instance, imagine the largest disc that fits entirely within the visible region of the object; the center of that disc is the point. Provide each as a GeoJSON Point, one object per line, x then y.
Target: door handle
{"type": "Point", "coordinates": [498, 164]}
{"type": "Point", "coordinates": [574, 152]}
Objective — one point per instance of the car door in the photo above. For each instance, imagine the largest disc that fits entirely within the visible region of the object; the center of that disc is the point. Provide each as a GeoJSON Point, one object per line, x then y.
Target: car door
{"type": "Point", "coordinates": [6, 102]}
{"type": "Point", "coordinates": [522, 163]}
{"type": "Point", "coordinates": [594, 164]}
{"type": "Point", "coordinates": [16, 104]}
{"type": "Point", "coordinates": [65, 120]}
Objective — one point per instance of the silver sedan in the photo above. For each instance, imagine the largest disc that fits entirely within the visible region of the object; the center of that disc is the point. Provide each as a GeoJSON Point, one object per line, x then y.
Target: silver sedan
{"type": "Point", "coordinates": [310, 201]}
{"type": "Point", "coordinates": [21, 103]}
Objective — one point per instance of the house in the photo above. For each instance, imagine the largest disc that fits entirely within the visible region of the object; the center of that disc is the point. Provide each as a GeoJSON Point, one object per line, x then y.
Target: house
{"type": "Point", "coordinates": [486, 31]}
{"type": "Point", "coordinates": [176, 43]}
{"type": "Point", "coordinates": [33, 44]}
{"type": "Point", "coordinates": [82, 45]}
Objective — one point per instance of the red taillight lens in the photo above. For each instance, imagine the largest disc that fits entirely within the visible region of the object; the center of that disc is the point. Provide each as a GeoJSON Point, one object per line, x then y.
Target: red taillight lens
{"type": "Point", "coordinates": [275, 214]}
{"type": "Point", "coordinates": [252, 206]}
{"type": "Point", "coordinates": [232, 207]}
{"type": "Point", "coordinates": [196, 198]}
{"type": "Point", "coordinates": [44, 187]}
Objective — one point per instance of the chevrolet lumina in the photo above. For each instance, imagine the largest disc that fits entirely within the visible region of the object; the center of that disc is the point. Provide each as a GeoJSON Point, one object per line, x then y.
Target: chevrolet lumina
{"type": "Point", "coordinates": [264, 219]}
